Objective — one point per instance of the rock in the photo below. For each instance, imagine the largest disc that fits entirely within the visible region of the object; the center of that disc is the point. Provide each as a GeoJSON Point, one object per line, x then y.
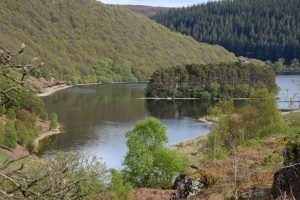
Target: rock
{"type": "Point", "coordinates": [287, 180]}
{"type": "Point", "coordinates": [192, 184]}
{"type": "Point", "coordinates": [187, 187]}
{"type": "Point", "coordinates": [255, 194]}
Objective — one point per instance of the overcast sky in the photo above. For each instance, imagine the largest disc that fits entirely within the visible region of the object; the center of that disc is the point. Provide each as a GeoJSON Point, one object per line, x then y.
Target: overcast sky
{"type": "Point", "coordinates": [165, 3]}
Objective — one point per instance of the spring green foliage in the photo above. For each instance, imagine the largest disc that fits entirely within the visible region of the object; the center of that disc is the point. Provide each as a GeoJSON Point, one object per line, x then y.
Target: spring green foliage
{"type": "Point", "coordinates": [1, 133]}
{"type": "Point", "coordinates": [149, 163]}
{"type": "Point", "coordinates": [60, 176]}
{"type": "Point", "coordinates": [263, 29]}
{"type": "Point", "coordinates": [257, 119]}
{"type": "Point", "coordinates": [20, 129]}
{"type": "Point", "coordinates": [211, 81]}
{"type": "Point", "coordinates": [44, 115]}
{"type": "Point", "coordinates": [2, 110]}
{"type": "Point", "coordinates": [11, 114]}
{"type": "Point", "coordinates": [53, 121]}
{"type": "Point", "coordinates": [120, 189]}
{"type": "Point", "coordinates": [81, 167]}
{"type": "Point", "coordinates": [10, 135]}
{"type": "Point", "coordinates": [87, 41]}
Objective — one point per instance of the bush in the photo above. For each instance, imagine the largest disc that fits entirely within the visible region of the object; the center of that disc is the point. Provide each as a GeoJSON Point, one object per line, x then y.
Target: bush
{"type": "Point", "coordinates": [30, 146]}
{"type": "Point", "coordinates": [10, 135]}
{"type": "Point", "coordinates": [25, 117]}
{"type": "Point", "coordinates": [1, 134]}
{"type": "Point", "coordinates": [53, 121]}
{"type": "Point", "coordinates": [2, 111]}
{"type": "Point", "coordinates": [258, 118]}
{"type": "Point", "coordinates": [120, 189]}
{"type": "Point", "coordinates": [44, 115]}
{"type": "Point", "coordinates": [149, 163]}
{"type": "Point", "coordinates": [11, 114]}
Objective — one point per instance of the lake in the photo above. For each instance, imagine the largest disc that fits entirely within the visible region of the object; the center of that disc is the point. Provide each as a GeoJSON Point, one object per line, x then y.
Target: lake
{"type": "Point", "coordinates": [96, 117]}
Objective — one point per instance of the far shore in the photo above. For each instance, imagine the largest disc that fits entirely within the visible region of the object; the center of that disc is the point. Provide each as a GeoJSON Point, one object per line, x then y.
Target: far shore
{"type": "Point", "coordinates": [101, 83]}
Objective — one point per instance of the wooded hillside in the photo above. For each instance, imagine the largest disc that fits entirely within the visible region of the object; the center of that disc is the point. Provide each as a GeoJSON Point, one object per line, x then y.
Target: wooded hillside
{"type": "Point", "coordinates": [262, 29]}
{"type": "Point", "coordinates": [87, 41]}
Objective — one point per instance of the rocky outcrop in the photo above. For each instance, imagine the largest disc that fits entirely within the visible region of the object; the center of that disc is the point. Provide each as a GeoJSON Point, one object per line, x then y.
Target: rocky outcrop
{"type": "Point", "coordinates": [191, 185]}
{"type": "Point", "coordinates": [287, 179]}
{"type": "Point", "coordinates": [256, 194]}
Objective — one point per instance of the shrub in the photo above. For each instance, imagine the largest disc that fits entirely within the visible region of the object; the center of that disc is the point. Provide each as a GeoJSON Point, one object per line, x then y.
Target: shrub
{"type": "Point", "coordinates": [44, 115]}
{"type": "Point", "coordinates": [120, 189]}
{"type": "Point", "coordinates": [25, 117]}
{"type": "Point", "coordinates": [1, 133]}
{"type": "Point", "coordinates": [10, 135]}
{"type": "Point", "coordinates": [2, 111]}
{"type": "Point", "coordinates": [30, 146]}
{"type": "Point", "coordinates": [53, 121]}
{"type": "Point", "coordinates": [11, 114]}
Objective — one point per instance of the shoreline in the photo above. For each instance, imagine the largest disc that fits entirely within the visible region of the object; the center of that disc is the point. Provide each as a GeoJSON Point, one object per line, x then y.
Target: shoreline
{"type": "Point", "coordinates": [101, 83]}
{"type": "Point", "coordinates": [208, 121]}
{"type": "Point", "coordinates": [188, 141]}
{"type": "Point", "coordinates": [51, 90]}
{"type": "Point", "coordinates": [46, 134]}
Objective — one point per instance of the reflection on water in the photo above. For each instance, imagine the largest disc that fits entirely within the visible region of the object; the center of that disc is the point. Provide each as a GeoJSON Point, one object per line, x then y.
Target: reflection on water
{"type": "Point", "coordinates": [96, 117]}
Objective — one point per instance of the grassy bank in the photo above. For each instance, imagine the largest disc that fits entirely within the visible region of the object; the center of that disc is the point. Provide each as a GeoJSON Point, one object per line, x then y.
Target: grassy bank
{"type": "Point", "coordinates": [256, 160]}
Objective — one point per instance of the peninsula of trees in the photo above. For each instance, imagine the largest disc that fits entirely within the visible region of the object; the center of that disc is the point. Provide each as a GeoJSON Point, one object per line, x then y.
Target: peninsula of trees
{"type": "Point", "coordinates": [231, 80]}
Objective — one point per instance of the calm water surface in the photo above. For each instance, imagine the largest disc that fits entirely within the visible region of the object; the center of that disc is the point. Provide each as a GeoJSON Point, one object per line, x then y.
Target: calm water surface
{"type": "Point", "coordinates": [96, 117]}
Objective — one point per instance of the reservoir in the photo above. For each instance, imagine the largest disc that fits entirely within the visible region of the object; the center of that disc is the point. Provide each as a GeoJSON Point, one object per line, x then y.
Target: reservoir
{"type": "Point", "coordinates": [95, 118]}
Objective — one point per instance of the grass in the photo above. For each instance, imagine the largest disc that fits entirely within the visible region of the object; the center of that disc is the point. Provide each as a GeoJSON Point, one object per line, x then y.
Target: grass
{"type": "Point", "coordinates": [4, 156]}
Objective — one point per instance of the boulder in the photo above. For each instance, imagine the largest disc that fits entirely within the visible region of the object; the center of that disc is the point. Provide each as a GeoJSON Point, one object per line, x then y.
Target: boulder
{"type": "Point", "coordinates": [256, 194]}
{"type": "Point", "coordinates": [189, 185]}
{"type": "Point", "coordinates": [286, 181]}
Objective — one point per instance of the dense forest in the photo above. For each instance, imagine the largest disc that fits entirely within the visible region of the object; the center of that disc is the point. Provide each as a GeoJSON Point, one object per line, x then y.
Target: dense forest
{"type": "Point", "coordinates": [262, 29]}
{"type": "Point", "coordinates": [87, 41]}
{"type": "Point", "coordinates": [210, 81]}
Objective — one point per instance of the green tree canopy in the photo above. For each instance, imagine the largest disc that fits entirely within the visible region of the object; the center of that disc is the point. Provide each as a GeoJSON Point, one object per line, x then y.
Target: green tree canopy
{"type": "Point", "coordinates": [148, 162]}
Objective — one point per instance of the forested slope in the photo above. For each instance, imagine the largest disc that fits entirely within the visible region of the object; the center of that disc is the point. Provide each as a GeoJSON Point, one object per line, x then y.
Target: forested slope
{"type": "Point", "coordinates": [87, 41]}
{"type": "Point", "coordinates": [262, 29]}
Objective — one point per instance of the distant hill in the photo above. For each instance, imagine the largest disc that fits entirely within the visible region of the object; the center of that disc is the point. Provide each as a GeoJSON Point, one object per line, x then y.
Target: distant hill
{"type": "Point", "coordinates": [262, 29]}
{"type": "Point", "coordinates": [148, 11]}
{"type": "Point", "coordinates": [87, 41]}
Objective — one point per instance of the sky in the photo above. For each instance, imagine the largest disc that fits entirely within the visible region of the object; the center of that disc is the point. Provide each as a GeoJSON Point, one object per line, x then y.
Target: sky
{"type": "Point", "coordinates": [164, 3]}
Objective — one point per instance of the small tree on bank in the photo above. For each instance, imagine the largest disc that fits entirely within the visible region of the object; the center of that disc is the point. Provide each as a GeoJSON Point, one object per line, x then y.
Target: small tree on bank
{"type": "Point", "coordinates": [148, 162]}
{"type": "Point", "coordinates": [10, 135]}
{"type": "Point", "coordinates": [53, 121]}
